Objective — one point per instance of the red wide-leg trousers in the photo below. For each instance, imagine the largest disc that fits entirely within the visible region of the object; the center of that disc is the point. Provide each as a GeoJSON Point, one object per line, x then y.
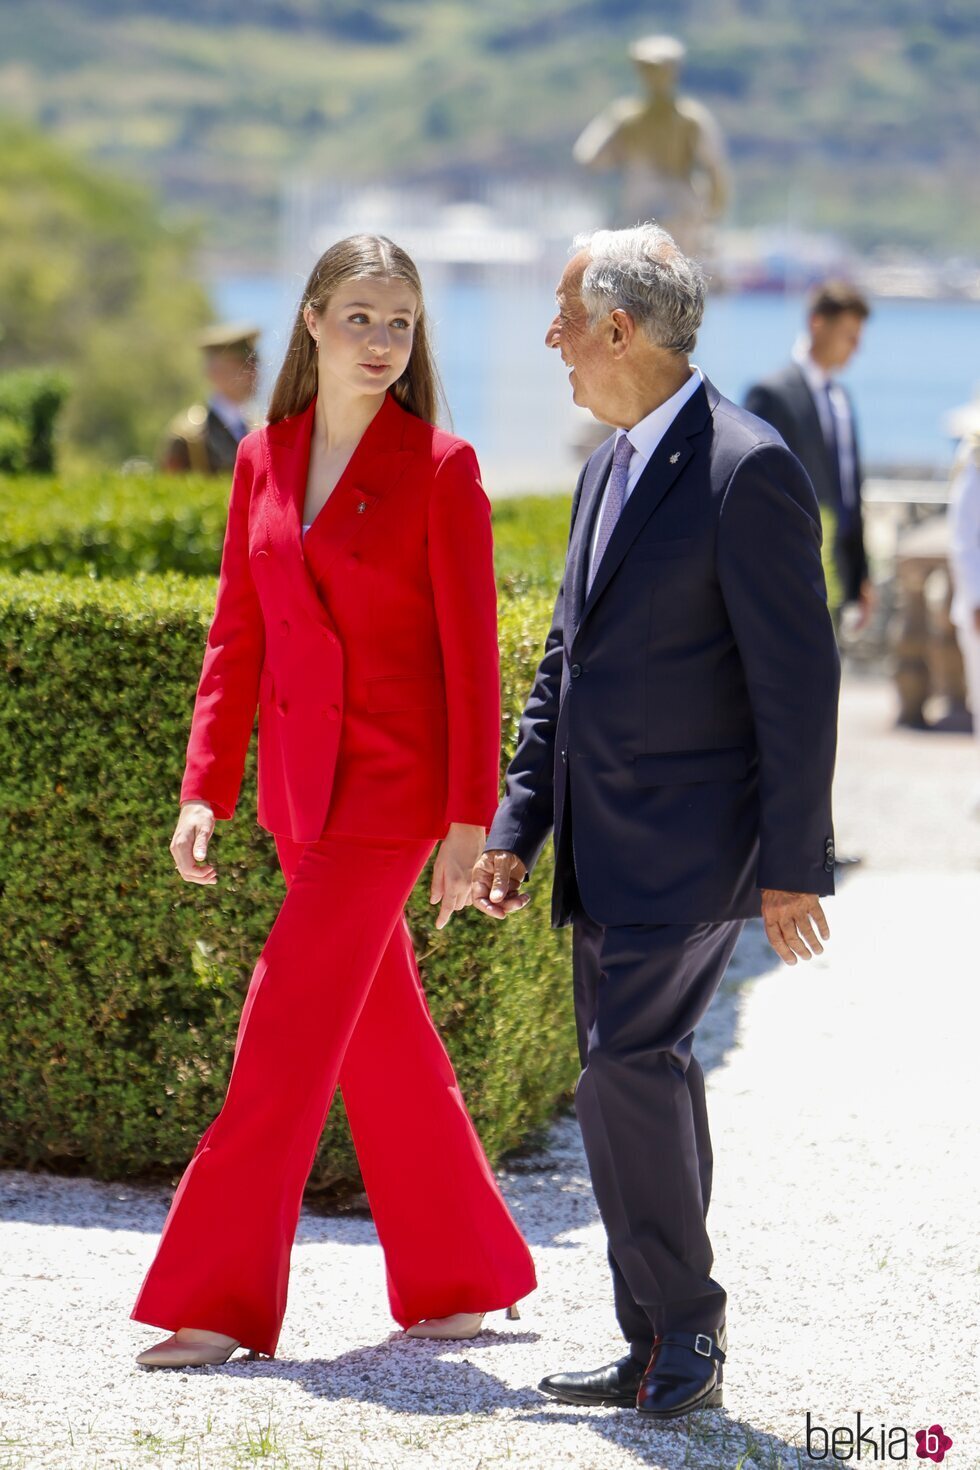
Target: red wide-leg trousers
{"type": "Point", "coordinates": [335, 996]}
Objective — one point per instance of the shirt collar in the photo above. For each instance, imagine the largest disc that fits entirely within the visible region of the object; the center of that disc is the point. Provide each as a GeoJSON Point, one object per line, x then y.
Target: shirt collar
{"type": "Point", "coordinates": [647, 434]}
{"type": "Point", "coordinates": [817, 377]}
{"type": "Point", "coordinates": [229, 413]}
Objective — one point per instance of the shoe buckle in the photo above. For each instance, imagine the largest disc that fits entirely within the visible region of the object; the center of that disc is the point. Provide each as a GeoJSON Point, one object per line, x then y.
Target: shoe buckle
{"type": "Point", "coordinates": [702, 1337]}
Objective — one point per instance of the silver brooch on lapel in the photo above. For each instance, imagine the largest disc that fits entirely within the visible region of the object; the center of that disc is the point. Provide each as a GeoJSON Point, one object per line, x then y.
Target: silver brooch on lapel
{"type": "Point", "coordinates": [675, 456]}
{"type": "Point", "coordinates": [361, 507]}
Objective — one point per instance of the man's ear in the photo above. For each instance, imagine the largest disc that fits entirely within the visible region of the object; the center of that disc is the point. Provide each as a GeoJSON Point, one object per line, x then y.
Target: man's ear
{"type": "Point", "coordinates": [621, 331]}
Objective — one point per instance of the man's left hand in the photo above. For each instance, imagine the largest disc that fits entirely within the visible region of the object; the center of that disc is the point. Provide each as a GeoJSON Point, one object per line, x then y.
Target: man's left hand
{"type": "Point", "coordinates": [789, 919]}
{"type": "Point", "coordinates": [867, 602]}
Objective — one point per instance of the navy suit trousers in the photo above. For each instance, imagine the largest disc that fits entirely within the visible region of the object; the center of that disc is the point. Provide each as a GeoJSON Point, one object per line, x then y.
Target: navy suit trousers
{"type": "Point", "coordinates": [640, 991]}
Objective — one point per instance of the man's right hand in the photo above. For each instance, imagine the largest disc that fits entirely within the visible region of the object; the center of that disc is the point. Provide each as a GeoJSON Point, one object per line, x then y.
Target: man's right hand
{"type": "Point", "coordinates": [189, 844]}
{"type": "Point", "coordinates": [497, 876]}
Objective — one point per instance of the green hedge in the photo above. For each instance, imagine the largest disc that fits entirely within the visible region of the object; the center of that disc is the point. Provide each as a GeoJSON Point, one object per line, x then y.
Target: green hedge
{"type": "Point", "coordinates": [112, 525]}
{"type": "Point", "coordinates": [121, 986]}
{"type": "Point", "coordinates": [29, 404]}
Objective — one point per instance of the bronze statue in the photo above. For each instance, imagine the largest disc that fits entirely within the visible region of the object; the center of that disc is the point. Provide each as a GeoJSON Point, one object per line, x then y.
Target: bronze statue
{"type": "Point", "coordinates": [669, 149]}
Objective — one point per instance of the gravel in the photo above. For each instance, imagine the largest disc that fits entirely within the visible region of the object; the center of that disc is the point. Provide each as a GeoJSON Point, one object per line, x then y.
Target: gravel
{"type": "Point", "coordinates": [843, 1220]}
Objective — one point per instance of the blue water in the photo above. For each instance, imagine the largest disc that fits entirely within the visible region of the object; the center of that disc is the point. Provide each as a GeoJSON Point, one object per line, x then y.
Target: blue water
{"type": "Point", "coordinates": [510, 397]}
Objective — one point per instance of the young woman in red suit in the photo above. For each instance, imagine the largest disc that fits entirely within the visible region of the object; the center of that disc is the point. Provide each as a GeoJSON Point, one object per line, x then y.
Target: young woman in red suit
{"type": "Point", "coordinates": [356, 609]}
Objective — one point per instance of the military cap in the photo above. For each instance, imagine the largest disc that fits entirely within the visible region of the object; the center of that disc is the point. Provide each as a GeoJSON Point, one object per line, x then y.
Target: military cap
{"type": "Point", "coordinates": [228, 334]}
{"type": "Point", "coordinates": [655, 50]}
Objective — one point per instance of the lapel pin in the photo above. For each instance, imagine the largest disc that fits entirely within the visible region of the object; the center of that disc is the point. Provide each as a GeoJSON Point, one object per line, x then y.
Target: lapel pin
{"type": "Point", "coordinates": [361, 507]}
{"type": "Point", "coordinates": [675, 456]}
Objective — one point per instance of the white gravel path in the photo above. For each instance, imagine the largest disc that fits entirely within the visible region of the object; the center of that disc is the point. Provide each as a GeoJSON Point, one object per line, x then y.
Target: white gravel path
{"type": "Point", "coordinates": [843, 1218]}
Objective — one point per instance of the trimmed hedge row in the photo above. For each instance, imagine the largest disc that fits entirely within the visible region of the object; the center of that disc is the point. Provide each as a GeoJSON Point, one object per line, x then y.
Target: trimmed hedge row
{"type": "Point", "coordinates": [121, 986]}
{"type": "Point", "coordinates": [115, 525]}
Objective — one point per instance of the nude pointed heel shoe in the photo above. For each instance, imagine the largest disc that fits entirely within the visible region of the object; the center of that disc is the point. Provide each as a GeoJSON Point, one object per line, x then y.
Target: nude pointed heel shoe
{"type": "Point", "coordinates": [460, 1325]}
{"type": "Point", "coordinates": [176, 1352]}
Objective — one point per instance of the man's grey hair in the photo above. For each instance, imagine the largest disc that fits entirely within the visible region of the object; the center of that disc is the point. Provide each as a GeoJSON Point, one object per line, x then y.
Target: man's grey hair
{"type": "Point", "coordinates": [642, 270]}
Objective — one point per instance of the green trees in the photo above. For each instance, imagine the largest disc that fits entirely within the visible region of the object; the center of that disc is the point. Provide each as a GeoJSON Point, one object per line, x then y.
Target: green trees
{"type": "Point", "coordinates": [93, 285]}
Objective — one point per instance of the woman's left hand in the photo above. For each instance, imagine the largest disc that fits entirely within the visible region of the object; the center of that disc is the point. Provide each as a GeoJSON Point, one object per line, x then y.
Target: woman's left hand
{"type": "Point", "coordinates": [453, 872]}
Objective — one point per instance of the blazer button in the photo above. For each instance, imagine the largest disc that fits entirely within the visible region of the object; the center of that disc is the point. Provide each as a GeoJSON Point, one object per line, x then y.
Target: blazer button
{"type": "Point", "coordinates": [333, 712]}
{"type": "Point", "coordinates": [284, 625]}
{"type": "Point", "coordinates": [282, 706]}
{"type": "Point", "coordinates": [330, 636]}
{"type": "Point", "coordinates": [576, 669]}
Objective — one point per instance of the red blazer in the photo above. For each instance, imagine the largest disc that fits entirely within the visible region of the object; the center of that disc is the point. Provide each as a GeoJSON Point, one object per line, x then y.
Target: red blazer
{"type": "Point", "coordinates": [369, 647]}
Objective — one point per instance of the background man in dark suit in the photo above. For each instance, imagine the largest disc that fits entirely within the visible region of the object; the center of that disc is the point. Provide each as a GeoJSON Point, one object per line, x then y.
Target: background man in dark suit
{"type": "Point", "coordinates": [813, 412]}
{"type": "Point", "coordinates": [204, 438]}
{"type": "Point", "coordinates": [680, 740]}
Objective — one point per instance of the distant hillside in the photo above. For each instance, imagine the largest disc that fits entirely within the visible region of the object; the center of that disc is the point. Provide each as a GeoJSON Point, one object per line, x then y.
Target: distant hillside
{"type": "Point", "coordinates": [861, 117]}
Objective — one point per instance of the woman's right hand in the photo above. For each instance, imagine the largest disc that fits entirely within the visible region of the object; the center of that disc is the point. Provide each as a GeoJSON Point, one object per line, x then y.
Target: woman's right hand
{"type": "Point", "coordinates": [189, 844]}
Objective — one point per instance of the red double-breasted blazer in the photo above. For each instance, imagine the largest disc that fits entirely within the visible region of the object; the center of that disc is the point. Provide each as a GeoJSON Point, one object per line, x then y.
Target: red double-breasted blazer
{"type": "Point", "coordinates": [369, 647]}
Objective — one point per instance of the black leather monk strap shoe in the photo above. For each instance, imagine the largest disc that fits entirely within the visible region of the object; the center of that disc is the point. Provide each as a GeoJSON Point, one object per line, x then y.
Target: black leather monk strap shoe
{"type": "Point", "coordinates": [617, 1384]}
{"type": "Point", "coordinates": [684, 1374]}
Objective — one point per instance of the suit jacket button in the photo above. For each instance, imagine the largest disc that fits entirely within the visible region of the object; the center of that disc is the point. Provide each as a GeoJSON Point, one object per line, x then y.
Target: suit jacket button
{"type": "Point", "coordinates": [333, 712]}
{"type": "Point", "coordinates": [576, 669]}
{"type": "Point", "coordinates": [284, 625]}
{"type": "Point", "coordinates": [281, 706]}
{"type": "Point", "coordinates": [331, 637]}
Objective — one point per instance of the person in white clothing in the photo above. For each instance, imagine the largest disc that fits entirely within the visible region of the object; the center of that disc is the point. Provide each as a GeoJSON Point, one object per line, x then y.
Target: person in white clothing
{"type": "Point", "coordinates": [964, 565]}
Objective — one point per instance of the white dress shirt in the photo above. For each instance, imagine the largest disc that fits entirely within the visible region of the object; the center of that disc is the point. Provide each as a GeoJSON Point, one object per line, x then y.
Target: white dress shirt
{"type": "Point", "coordinates": [644, 437]}
{"type": "Point", "coordinates": [818, 380]}
{"type": "Point", "coordinates": [964, 539]}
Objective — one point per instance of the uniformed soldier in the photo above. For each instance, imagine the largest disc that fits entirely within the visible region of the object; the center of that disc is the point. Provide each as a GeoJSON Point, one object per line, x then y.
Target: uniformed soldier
{"type": "Point", "coordinates": [204, 438]}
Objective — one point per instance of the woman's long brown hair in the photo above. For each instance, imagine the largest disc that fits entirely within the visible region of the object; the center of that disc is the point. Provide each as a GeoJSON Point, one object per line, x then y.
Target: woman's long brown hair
{"type": "Point", "coordinates": [418, 389]}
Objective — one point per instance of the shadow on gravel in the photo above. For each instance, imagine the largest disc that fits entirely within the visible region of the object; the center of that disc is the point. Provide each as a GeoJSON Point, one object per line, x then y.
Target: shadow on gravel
{"type": "Point", "coordinates": [710, 1440]}
{"type": "Point", "coordinates": [406, 1376]}
{"type": "Point", "coordinates": [416, 1379]}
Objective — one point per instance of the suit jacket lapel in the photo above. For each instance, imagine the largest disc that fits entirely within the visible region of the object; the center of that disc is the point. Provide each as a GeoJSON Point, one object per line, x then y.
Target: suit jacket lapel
{"type": "Point", "coordinates": [372, 472]}
{"type": "Point", "coordinates": [811, 418]}
{"type": "Point", "coordinates": [578, 553]}
{"type": "Point", "coordinates": [668, 460]}
{"type": "Point", "coordinates": [855, 448]}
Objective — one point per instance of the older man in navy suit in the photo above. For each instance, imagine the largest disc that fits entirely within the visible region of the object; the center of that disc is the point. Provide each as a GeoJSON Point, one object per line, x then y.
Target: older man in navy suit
{"type": "Point", "coordinates": [679, 740]}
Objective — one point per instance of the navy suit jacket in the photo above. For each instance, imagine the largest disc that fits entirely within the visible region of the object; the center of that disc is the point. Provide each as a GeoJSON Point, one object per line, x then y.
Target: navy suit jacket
{"type": "Point", "coordinates": [785, 401]}
{"type": "Point", "coordinates": [680, 734]}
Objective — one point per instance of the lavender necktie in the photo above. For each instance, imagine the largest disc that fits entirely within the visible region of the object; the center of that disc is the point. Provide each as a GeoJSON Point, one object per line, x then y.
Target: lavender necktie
{"type": "Point", "coordinates": [614, 500]}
